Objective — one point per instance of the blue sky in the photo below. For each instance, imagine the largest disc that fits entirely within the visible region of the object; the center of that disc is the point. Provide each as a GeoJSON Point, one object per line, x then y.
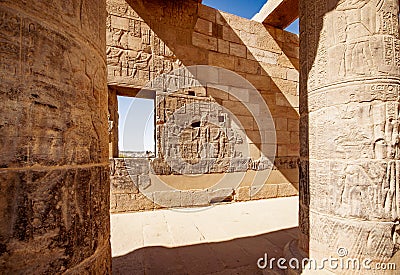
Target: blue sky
{"type": "Point", "coordinates": [136, 124]}
{"type": "Point", "coordinates": [138, 133]}
{"type": "Point", "coordinates": [246, 9]}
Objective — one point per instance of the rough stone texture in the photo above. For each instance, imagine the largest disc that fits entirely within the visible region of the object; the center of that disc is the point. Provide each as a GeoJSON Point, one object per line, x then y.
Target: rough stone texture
{"type": "Point", "coordinates": [157, 37]}
{"type": "Point", "coordinates": [349, 128]}
{"type": "Point", "coordinates": [54, 181]}
{"type": "Point", "coordinates": [278, 13]}
{"type": "Point", "coordinates": [130, 178]}
{"type": "Point", "coordinates": [113, 118]}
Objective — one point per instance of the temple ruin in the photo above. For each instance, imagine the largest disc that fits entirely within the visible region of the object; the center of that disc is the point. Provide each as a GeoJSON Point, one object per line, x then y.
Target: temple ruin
{"type": "Point", "coordinates": [244, 111]}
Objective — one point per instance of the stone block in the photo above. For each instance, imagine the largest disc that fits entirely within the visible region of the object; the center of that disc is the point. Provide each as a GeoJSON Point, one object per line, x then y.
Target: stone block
{"type": "Point", "coordinates": [292, 74]}
{"type": "Point", "coordinates": [207, 13]}
{"type": "Point", "coordinates": [254, 137]}
{"type": "Point", "coordinates": [266, 192]}
{"type": "Point", "coordinates": [281, 100]}
{"type": "Point", "coordinates": [223, 46]}
{"type": "Point", "coordinates": [121, 23]}
{"type": "Point", "coordinates": [282, 137]}
{"type": "Point", "coordinates": [242, 193]}
{"type": "Point", "coordinates": [134, 166]}
{"type": "Point", "coordinates": [124, 184]}
{"type": "Point", "coordinates": [204, 41]}
{"type": "Point", "coordinates": [259, 82]}
{"type": "Point", "coordinates": [220, 19]}
{"type": "Point", "coordinates": [293, 125]}
{"type": "Point", "coordinates": [291, 38]}
{"type": "Point", "coordinates": [281, 124]}
{"type": "Point", "coordinates": [126, 203]}
{"type": "Point", "coordinates": [217, 91]}
{"type": "Point", "coordinates": [221, 60]}
{"type": "Point", "coordinates": [229, 34]}
{"type": "Point", "coordinates": [113, 202]}
{"type": "Point", "coordinates": [204, 27]}
{"type": "Point", "coordinates": [209, 74]}
{"type": "Point", "coordinates": [236, 107]}
{"type": "Point", "coordinates": [239, 94]}
{"type": "Point", "coordinates": [293, 149]}
{"type": "Point", "coordinates": [282, 150]}
{"type": "Point", "coordinates": [168, 198]}
{"type": "Point", "coordinates": [220, 195]}
{"type": "Point", "coordinates": [234, 21]}
{"type": "Point", "coordinates": [144, 181]}
{"type": "Point", "coordinates": [200, 198]}
{"type": "Point", "coordinates": [294, 137]}
{"type": "Point", "coordinates": [255, 152]}
{"type": "Point", "coordinates": [291, 50]}
{"type": "Point", "coordinates": [246, 121]}
{"type": "Point", "coordinates": [247, 66]}
{"type": "Point", "coordinates": [262, 56]}
{"type": "Point", "coordinates": [288, 62]}
{"type": "Point", "coordinates": [186, 198]}
{"type": "Point", "coordinates": [144, 202]}
{"type": "Point", "coordinates": [237, 49]}
{"type": "Point", "coordinates": [273, 70]}
{"type": "Point", "coordinates": [287, 190]}
{"type": "Point", "coordinates": [217, 31]}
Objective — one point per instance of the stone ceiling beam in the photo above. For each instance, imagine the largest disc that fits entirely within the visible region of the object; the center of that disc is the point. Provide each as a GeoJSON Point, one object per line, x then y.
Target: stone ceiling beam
{"type": "Point", "coordinates": [278, 13]}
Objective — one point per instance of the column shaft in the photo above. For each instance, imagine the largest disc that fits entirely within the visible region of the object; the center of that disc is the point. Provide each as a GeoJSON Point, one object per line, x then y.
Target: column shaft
{"type": "Point", "coordinates": [54, 181]}
{"type": "Point", "coordinates": [350, 168]}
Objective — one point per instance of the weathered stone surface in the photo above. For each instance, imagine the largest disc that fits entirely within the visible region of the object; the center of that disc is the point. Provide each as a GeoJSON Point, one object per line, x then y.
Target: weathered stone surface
{"type": "Point", "coordinates": [53, 137]}
{"type": "Point", "coordinates": [168, 198]}
{"type": "Point", "coordinates": [349, 183]}
{"type": "Point", "coordinates": [242, 194]}
{"type": "Point", "coordinates": [138, 53]}
{"type": "Point", "coordinates": [220, 195]}
{"type": "Point", "coordinates": [278, 13]}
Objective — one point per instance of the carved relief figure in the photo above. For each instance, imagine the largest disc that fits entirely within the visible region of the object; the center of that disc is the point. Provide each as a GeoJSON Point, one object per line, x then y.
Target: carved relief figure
{"type": "Point", "coordinates": [357, 54]}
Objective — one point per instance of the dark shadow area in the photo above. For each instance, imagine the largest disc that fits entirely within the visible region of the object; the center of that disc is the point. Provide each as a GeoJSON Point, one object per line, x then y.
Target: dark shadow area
{"type": "Point", "coordinates": [237, 256]}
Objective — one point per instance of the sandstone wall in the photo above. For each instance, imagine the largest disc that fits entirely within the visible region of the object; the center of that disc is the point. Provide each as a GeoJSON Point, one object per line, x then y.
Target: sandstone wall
{"type": "Point", "coordinates": [54, 182]}
{"type": "Point", "coordinates": [157, 37]}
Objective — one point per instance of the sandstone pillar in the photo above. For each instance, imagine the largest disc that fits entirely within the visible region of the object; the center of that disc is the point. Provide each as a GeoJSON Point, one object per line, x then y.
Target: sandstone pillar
{"type": "Point", "coordinates": [350, 175]}
{"type": "Point", "coordinates": [113, 119]}
{"type": "Point", "coordinates": [54, 181]}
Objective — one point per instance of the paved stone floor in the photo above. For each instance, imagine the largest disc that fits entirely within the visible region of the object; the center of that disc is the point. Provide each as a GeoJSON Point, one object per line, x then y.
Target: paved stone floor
{"type": "Point", "coordinates": [223, 239]}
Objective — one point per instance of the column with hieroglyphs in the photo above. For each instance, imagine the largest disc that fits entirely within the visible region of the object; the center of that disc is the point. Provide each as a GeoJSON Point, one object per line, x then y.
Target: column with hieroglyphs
{"type": "Point", "coordinates": [350, 168]}
{"type": "Point", "coordinates": [54, 175]}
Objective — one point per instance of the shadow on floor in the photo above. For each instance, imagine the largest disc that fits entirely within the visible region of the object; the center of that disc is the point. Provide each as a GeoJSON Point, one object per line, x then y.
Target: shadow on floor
{"type": "Point", "coordinates": [237, 256]}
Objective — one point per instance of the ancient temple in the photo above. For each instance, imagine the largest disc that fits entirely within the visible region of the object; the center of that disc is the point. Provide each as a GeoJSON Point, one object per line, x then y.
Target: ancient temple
{"type": "Point", "coordinates": [244, 110]}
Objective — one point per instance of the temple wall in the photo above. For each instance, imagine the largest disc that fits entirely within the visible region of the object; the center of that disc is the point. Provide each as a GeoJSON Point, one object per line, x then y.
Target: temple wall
{"type": "Point", "coordinates": [159, 37]}
{"type": "Point", "coordinates": [54, 182]}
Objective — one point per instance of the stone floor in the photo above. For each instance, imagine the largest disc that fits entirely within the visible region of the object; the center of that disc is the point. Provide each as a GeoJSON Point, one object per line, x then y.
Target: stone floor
{"type": "Point", "coordinates": [223, 239]}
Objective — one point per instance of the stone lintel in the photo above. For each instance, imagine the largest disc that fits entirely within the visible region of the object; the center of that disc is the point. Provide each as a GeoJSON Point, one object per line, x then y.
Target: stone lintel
{"type": "Point", "coordinates": [133, 92]}
{"type": "Point", "coordinates": [278, 13]}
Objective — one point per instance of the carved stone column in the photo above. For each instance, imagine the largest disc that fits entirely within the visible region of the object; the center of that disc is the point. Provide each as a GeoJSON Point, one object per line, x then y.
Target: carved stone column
{"type": "Point", "coordinates": [113, 119]}
{"type": "Point", "coordinates": [350, 175]}
{"type": "Point", "coordinates": [54, 180]}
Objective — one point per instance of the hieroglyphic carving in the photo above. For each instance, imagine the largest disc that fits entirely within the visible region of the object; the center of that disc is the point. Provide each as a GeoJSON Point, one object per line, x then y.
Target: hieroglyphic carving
{"type": "Point", "coordinates": [54, 119]}
{"type": "Point", "coordinates": [200, 133]}
{"type": "Point", "coordinates": [135, 54]}
{"type": "Point", "coordinates": [352, 110]}
{"type": "Point", "coordinates": [10, 44]}
{"type": "Point", "coordinates": [349, 49]}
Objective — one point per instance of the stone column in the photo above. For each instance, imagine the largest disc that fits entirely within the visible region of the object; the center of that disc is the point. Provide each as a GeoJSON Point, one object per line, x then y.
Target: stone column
{"type": "Point", "coordinates": [113, 121]}
{"type": "Point", "coordinates": [350, 168]}
{"type": "Point", "coordinates": [54, 180]}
